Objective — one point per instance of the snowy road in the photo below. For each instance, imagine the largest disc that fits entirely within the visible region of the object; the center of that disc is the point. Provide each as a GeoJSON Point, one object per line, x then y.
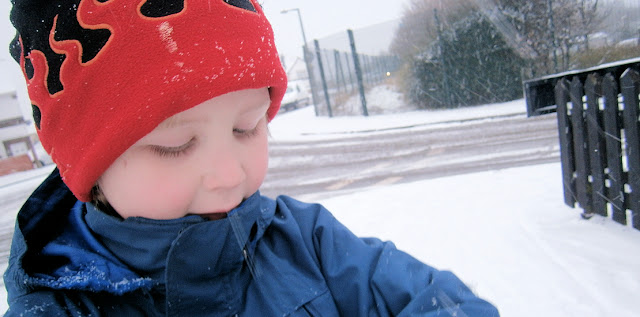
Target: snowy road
{"type": "Point", "coordinates": [408, 154]}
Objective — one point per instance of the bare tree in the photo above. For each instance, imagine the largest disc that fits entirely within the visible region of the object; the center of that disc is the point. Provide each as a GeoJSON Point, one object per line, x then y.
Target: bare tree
{"type": "Point", "coordinates": [454, 56]}
{"type": "Point", "coordinates": [417, 29]}
{"type": "Point", "coordinates": [589, 19]}
{"type": "Point", "coordinates": [553, 29]}
{"type": "Point", "coordinates": [416, 39]}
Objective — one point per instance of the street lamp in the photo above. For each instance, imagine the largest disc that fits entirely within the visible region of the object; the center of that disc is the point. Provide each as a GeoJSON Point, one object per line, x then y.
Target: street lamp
{"type": "Point", "coordinates": [306, 57]}
{"type": "Point", "coordinates": [304, 37]}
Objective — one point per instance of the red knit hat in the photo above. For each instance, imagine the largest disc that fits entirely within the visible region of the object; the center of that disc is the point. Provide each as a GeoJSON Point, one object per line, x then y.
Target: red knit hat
{"type": "Point", "coordinates": [111, 71]}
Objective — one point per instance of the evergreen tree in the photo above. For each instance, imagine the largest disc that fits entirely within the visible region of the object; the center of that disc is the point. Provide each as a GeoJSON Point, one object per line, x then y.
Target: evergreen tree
{"type": "Point", "coordinates": [471, 65]}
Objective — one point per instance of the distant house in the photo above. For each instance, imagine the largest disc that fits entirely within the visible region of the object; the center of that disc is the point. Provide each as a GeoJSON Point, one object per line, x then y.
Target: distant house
{"type": "Point", "coordinates": [14, 133]}
{"type": "Point", "coordinates": [17, 150]}
{"type": "Point", "coordinates": [297, 70]}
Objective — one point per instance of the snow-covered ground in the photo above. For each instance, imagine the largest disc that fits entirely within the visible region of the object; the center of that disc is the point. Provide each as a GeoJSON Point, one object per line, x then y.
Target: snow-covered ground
{"type": "Point", "coordinates": [303, 125]}
{"type": "Point", "coordinates": [506, 233]}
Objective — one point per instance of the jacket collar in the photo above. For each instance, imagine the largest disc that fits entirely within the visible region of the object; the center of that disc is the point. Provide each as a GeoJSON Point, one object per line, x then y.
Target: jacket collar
{"type": "Point", "coordinates": [139, 243]}
{"type": "Point", "coordinates": [150, 246]}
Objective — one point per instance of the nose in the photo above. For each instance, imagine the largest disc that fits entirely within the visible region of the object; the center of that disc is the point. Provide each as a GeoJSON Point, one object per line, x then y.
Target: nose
{"type": "Point", "coordinates": [224, 171]}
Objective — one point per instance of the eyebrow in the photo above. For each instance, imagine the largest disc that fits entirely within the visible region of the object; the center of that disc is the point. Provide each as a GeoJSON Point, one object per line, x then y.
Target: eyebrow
{"type": "Point", "coordinates": [178, 121]}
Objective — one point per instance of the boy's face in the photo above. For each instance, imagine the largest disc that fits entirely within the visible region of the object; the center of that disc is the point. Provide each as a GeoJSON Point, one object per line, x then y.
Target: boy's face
{"type": "Point", "coordinates": [203, 161]}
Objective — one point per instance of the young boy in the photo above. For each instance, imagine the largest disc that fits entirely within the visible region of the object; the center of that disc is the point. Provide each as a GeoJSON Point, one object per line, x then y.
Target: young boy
{"type": "Point", "coordinates": [155, 113]}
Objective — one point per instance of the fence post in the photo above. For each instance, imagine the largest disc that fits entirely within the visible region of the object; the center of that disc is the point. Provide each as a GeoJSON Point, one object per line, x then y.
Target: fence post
{"type": "Point", "coordinates": [630, 88]}
{"type": "Point", "coordinates": [328, 69]}
{"type": "Point", "coordinates": [367, 69]}
{"type": "Point", "coordinates": [612, 127]}
{"type": "Point", "coordinates": [324, 82]}
{"type": "Point", "coordinates": [380, 64]}
{"type": "Point", "coordinates": [376, 69]}
{"type": "Point", "coordinates": [352, 85]}
{"type": "Point", "coordinates": [579, 147]}
{"type": "Point", "coordinates": [566, 145]}
{"type": "Point", "coordinates": [593, 91]}
{"type": "Point", "coordinates": [339, 71]}
{"type": "Point", "coordinates": [312, 85]}
{"type": "Point", "coordinates": [356, 65]}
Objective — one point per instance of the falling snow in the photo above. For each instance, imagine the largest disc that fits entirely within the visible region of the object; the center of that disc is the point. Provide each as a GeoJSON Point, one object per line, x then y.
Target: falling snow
{"type": "Point", "coordinates": [506, 233]}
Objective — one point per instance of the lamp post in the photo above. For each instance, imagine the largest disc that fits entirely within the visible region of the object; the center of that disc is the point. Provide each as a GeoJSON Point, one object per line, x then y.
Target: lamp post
{"type": "Point", "coordinates": [304, 37]}
{"type": "Point", "coordinates": [306, 56]}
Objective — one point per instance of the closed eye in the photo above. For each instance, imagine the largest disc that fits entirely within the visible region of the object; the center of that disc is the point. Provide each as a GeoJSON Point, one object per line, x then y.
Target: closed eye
{"type": "Point", "coordinates": [173, 151]}
{"type": "Point", "coordinates": [247, 133]}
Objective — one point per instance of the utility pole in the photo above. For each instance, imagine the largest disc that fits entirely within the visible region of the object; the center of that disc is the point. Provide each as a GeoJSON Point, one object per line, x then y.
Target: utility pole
{"type": "Point", "coordinates": [358, 68]}
{"type": "Point", "coordinates": [307, 55]}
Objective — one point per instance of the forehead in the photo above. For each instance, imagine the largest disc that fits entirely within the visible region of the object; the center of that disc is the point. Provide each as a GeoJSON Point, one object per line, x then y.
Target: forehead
{"type": "Point", "coordinates": [238, 103]}
{"type": "Point", "coordinates": [180, 119]}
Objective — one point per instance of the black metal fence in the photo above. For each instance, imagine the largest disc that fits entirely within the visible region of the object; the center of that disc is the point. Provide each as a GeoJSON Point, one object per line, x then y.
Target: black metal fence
{"type": "Point", "coordinates": [338, 76]}
{"type": "Point", "coordinates": [599, 130]}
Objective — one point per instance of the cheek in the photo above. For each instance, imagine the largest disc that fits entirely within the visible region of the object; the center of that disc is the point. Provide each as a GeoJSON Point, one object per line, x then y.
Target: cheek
{"type": "Point", "coordinates": [144, 189]}
{"type": "Point", "coordinates": [258, 165]}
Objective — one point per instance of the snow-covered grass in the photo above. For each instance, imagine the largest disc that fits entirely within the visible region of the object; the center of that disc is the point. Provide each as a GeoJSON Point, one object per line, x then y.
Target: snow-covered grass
{"type": "Point", "coordinates": [509, 236]}
{"type": "Point", "coordinates": [506, 233]}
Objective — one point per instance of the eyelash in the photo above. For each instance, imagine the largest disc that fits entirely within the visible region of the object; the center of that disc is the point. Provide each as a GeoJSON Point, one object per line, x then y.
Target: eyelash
{"type": "Point", "coordinates": [247, 133]}
{"type": "Point", "coordinates": [177, 151]}
{"type": "Point", "coordinates": [172, 152]}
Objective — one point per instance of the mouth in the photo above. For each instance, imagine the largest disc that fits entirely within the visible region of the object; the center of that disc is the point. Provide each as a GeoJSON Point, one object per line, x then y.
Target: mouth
{"type": "Point", "coordinates": [217, 214]}
{"type": "Point", "coordinates": [214, 215]}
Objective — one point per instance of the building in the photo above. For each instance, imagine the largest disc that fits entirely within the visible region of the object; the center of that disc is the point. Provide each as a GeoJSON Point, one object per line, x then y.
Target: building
{"type": "Point", "coordinates": [18, 142]}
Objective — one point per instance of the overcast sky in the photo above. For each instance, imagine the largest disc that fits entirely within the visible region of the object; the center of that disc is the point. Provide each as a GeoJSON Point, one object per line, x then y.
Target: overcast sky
{"type": "Point", "coordinates": [6, 29]}
{"type": "Point", "coordinates": [326, 17]}
{"type": "Point", "coordinates": [8, 69]}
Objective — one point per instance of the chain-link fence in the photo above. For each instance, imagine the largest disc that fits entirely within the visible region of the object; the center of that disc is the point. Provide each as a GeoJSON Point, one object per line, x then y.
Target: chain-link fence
{"type": "Point", "coordinates": [339, 79]}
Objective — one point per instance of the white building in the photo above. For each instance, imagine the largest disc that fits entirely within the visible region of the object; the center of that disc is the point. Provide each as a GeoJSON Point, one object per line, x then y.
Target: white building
{"type": "Point", "coordinates": [17, 136]}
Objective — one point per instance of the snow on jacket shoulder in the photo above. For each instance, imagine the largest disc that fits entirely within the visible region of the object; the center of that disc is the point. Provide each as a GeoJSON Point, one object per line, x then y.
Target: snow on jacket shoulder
{"type": "Point", "coordinates": [267, 258]}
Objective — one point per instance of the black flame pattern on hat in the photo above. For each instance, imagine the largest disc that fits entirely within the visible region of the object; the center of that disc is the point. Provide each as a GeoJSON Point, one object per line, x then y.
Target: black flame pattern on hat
{"type": "Point", "coordinates": [161, 8]}
{"type": "Point", "coordinates": [34, 20]}
{"type": "Point", "coordinates": [243, 4]}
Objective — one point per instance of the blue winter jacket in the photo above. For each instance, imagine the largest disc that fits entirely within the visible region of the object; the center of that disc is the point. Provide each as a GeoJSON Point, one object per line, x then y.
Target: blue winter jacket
{"type": "Point", "coordinates": [267, 258]}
